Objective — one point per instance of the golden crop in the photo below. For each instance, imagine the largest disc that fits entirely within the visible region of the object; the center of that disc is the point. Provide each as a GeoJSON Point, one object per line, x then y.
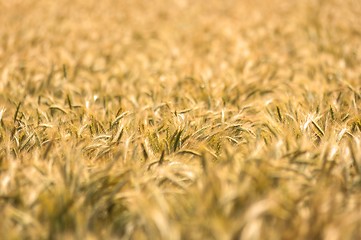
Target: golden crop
{"type": "Point", "coordinates": [180, 119]}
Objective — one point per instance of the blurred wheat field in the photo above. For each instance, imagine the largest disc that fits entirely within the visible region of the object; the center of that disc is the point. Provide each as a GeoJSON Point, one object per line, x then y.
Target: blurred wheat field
{"type": "Point", "coordinates": [180, 119]}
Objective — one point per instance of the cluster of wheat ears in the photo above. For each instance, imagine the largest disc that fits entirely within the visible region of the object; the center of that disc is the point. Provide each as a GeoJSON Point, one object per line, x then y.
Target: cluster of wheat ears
{"type": "Point", "coordinates": [180, 119]}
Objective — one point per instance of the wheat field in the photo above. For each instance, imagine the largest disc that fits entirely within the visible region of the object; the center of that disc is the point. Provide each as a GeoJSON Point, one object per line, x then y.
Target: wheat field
{"type": "Point", "coordinates": [180, 119]}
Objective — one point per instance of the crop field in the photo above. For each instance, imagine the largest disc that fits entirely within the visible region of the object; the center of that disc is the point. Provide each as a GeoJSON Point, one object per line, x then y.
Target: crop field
{"type": "Point", "coordinates": [179, 119]}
